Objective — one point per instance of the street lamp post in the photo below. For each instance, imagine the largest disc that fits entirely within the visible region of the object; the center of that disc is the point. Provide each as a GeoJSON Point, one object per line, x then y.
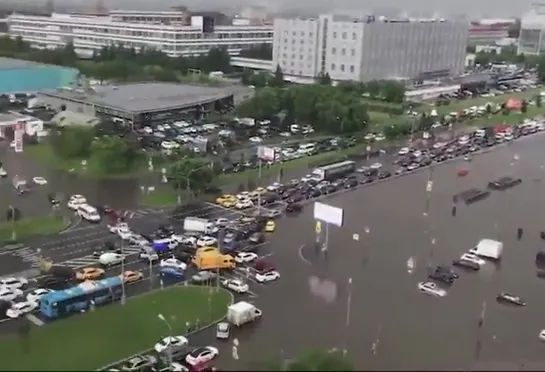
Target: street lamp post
{"type": "Point", "coordinates": [162, 318]}
{"type": "Point", "coordinates": [123, 296]}
{"type": "Point", "coordinates": [348, 310]}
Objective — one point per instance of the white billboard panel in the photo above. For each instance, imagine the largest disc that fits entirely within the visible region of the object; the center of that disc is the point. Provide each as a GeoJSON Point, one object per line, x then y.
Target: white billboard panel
{"type": "Point", "coordinates": [18, 132]}
{"type": "Point", "coordinates": [266, 153]}
{"type": "Point", "coordinates": [328, 214]}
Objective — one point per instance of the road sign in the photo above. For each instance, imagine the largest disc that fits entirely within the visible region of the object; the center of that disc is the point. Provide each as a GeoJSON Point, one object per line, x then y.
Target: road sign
{"type": "Point", "coordinates": [429, 186]}
{"type": "Point", "coordinates": [318, 227]}
{"type": "Point", "coordinates": [356, 237]}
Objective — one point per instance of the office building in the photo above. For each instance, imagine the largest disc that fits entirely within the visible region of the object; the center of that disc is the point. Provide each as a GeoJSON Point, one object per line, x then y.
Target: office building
{"type": "Point", "coordinates": [175, 32]}
{"type": "Point", "coordinates": [532, 32]}
{"type": "Point", "coordinates": [371, 48]}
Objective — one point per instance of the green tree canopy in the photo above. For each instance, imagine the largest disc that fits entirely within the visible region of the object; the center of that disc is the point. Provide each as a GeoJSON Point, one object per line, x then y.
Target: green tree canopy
{"type": "Point", "coordinates": [113, 154]}
{"type": "Point", "coordinates": [72, 142]}
{"type": "Point", "coordinates": [190, 174]}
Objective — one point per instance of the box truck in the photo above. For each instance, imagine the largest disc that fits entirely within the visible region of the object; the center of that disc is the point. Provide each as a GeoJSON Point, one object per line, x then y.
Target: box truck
{"type": "Point", "coordinates": [242, 312]}
{"type": "Point", "coordinates": [488, 248]}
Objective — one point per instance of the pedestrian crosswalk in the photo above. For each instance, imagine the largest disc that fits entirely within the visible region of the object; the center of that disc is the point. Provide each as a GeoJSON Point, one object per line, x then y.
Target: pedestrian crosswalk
{"type": "Point", "coordinates": [140, 213]}
{"type": "Point", "coordinates": [93, 260]}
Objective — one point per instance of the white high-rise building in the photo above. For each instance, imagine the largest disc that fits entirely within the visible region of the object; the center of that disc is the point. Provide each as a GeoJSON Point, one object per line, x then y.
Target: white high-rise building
{"type": "Point", "coordinates": [369, 49]}
{"type": "Point", "coordinates": [532, 31]}
{"type": "Point", "coordinates": [176, 33]}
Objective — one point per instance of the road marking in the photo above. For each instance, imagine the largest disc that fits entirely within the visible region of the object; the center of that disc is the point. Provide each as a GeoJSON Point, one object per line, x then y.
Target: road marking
{"type": "Point", "coordinates": [302, 257]}
{"type": "Point", "coordinates": [132, 215]}
{"type": "Point", "coordinates": [35, 320]}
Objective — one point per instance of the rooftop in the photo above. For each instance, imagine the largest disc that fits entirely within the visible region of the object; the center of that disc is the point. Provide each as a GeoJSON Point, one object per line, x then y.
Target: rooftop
{"type": "Point", "coordinates": [145, 97]}
{"type": "Point", "coordinates": [10, 63]}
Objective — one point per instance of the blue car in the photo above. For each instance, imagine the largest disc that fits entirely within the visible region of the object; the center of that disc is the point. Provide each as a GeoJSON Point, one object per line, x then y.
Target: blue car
{"type": "Point", "coordinates": [172, 272]}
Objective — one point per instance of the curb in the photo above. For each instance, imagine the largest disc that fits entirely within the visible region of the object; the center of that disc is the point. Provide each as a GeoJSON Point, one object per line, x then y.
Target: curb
{"type": "Point", "coordinates": [203, 328]}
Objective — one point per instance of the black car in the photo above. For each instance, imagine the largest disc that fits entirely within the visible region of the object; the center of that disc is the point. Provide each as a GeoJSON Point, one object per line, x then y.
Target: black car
{"type": "Point", "coordinates": [473, 195]}
{"type": "Point", "coordinates": [510, 299]}
{"type": "Point", "coordinates": [504, 183]}
{"type": "Point", "coordinates": [52, 282]}
{"type": "Point", "coordinates": [384, 174]}
{"type": "Point", "coordinates": [294, 208]}
{"type": "Point", "coordinates": [448, 270]}
{"type": "Point", "coordinates": [445, 277]}
{"type": "Point", "coordinates": [350, 183]}
{"type": "Point", "coordinates": [465, 264]}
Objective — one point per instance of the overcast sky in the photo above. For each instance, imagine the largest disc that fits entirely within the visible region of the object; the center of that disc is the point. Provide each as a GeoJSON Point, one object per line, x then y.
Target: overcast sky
{"type": "Point", "coordinates": [487, 8]}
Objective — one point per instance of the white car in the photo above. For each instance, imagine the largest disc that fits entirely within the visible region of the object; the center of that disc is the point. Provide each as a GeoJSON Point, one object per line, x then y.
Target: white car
{"type": "Point", "coordinates": [185, 240]}
{"type": "Point", "coordinates": [3, 173]}
{"type": "Point", "coordinates": [403, 151]}
{"type": "Point", "coordinates": [75, 201]}
{"type": "Point", "coordinates": [173, 262]}
{"type": "Point", "coordinates": [21, 308]}
{"type": "Point", "coordinates": [235, 285]}
{"type": "Point", "coordinates": [39, 181]}
{"type": "Point", "coordinates": [13, 283]}
{"type": "Point", "coordinates": [110, 259]}
{"type": "Point", "coordinates": [267, 277]}
{"type": "Point", "coordinates": [9, 295]}
{"type": "Point", "coordinates": [255, 139]}
{"type": "Point", "coordinates": [178, 367]}
{"type": "Point", "coordinates": [431, 289]}
{"type": "Point", "coordinates": [380, 137]}
{"type": "Point", "coordinates": [541, 335]}
{"type": "Point", "coordinates": [417, 153]}
{"type": "Point", "coordinates": [243, 195]}
{"type": "Point", "coordinates": [35, 295]}
{"type": "Point", "coordinates": [369, 137]}
{"type": "Point", "coordinates": [122, 230]}
{"type": "Point", "coordinates": [221, 222]}
{"type": "Point", "coordinates": [243, 257]}
{"type": "Point", "coordinates": [275, 186]}
{"type": "Point", "coordinates": [244, 203]}
{"type": "Point", "coordinates": [201, 355]}
{"type": "Point", "coordinates": [206, 241]}
{"type": "Point", "coordinates": [376, 166]}
{"type": "Point", "coordinates": [473, 258]}
{"type": "Point", "coordinates": [167, 342]}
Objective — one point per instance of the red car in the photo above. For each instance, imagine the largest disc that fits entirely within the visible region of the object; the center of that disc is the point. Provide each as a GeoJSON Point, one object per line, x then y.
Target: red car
{"type": "Point", "coordinates": [263, 265]}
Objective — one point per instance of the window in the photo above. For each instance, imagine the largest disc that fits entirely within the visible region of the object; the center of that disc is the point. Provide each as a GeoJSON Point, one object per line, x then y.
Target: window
{"type": "Point", "coordinates": [343, 51]}
{"type": "Point", "coordinates": [333, 50]}
{"type": "Point", "coordinates": [310, 34]}
{"type": "Point", "coordinates": [353, 52]}
{"type": "Point", "coordinates": [342, 68]}
{"type": "Point", "coordinates": [302, 33]}
{"type": "Point", "coordinates": [300, 56]}
{"type": "Point", "coordinates": [344, 35]}
{"type": "Point", "coordinates": [332, 67]}
{"type": "Point", "coordinates": [353, 36]}
{"type": "Point", "coordinates": [334, 35]}
{"type": "Point", "coordinates": [351, 68]}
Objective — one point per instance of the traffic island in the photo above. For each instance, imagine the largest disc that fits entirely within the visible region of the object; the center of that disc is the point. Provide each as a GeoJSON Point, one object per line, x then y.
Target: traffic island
{"type": "Point", "coordinates": [30, 227]}
{"type": "Point", "coordinates": [108, 334]}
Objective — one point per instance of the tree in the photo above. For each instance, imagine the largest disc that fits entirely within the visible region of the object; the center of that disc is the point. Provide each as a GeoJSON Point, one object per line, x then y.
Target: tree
{"type": "Point", "coordinates": [193, 175]}
{"type": "Point", "coordinates": [373, 88]}
{"type": "Point", "coordinates": [392, 91]}
{"type": "Point", "coordinates": [314, 360]}
{"type": "Point", "coordinates": [538, 100]}
{"type": "Point", "coordinates": [114, 155]}
{"type": "Point", "coordinates": [324, 79]}
{"type": "Point", "coordinates": [425, 122]}
{"type": "Point", "coordinates": [541, 69]}
{"type": "Point", "coordinates": [72, 142]}
{"type": "Point", "coordinates": [278, 77]}
{"type": "Point", "coordinates": [523, 106]}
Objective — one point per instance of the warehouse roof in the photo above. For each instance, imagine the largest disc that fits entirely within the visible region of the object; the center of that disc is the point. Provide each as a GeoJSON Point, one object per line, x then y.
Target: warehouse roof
{"type": "Point", "coordinates": [145, 97]}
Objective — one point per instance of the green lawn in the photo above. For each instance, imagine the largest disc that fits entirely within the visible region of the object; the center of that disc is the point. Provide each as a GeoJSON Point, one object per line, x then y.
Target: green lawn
{"type": "Point", "coordinates": [32, 226]}
{"type": "Point", "coordinates": [43, 154]}
{"type": "Point", "coordinates": [93, 340]}
{"type": "Point", "coordinates": [160, 198]}
{"type": "Point", "coordinates": [455, 106]}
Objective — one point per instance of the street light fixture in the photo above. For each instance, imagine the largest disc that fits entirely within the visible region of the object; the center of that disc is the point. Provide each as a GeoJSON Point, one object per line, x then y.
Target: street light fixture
{"type": "Point", "coordinates": [163, 319]}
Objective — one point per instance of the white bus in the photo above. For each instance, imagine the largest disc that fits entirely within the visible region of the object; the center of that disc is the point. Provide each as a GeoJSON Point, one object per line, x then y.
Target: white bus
{"type": "Point", "coordinates": [88, 213]}
{"type": "Point", "coordinates": [334, 171]}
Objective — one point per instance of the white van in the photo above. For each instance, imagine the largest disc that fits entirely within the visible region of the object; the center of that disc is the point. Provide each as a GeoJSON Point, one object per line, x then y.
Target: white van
{"type": "Point", "coordinates": [480, 133]}
{"type": "Point", "coordinates": [306, 148]}
{"type": "Point", "coordinates": [88, 213]}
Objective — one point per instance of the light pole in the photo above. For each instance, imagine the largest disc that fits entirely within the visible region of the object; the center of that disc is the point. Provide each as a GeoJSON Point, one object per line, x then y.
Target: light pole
{"type": "Point", "coordinates": [162, 318]}
{"type": "Point", "coordinates": [348, 309]}
{"type": "Point", "coordinates": [123, 296]}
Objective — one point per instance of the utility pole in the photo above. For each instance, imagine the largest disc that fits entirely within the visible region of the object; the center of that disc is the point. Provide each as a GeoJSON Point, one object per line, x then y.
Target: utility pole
{"type": "Point", "coordinates": [123, 296]}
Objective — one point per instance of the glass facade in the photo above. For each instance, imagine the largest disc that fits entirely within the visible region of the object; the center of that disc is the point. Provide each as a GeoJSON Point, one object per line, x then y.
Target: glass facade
{"type": "Point", "coordinates": [36, 78]}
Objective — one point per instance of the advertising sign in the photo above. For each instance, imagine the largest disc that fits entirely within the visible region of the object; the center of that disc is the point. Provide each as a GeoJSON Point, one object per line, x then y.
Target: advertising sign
{"type": "Point", "coordinates": [266, 153]}
{"type": "Point", "coordinates": [328, 214]}
{"type": "Point", "coordinates": [18, 132]}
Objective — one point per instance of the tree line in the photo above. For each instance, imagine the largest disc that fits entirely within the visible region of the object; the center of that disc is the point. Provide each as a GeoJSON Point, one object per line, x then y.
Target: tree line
{"type": "Point", "coordinates": [120, 63]}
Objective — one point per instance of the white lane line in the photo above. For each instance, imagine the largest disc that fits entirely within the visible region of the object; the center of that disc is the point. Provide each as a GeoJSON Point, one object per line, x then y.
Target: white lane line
{"type": "Point", "coordinates": [302, 257]}
{"type": "Point", "coordinates": [35, 320]}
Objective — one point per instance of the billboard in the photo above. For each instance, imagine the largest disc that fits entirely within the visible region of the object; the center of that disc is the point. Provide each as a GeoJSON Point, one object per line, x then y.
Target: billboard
{"type": "Point", "coordinates": [18, 132]}
{"type": "Point", "coordinates": [328, 214]}
{"type": "Point", "coordinates": [266, 153]}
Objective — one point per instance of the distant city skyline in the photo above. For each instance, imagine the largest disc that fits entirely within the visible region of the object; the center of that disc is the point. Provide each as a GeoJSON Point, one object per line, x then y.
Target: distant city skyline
{"type": "Point", "coordinates": [441, 8]}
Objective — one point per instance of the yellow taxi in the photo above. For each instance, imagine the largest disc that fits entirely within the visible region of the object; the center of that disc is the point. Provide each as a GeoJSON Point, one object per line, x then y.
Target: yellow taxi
{"type": "Point", "coordinates": [270, 226]}
{"type": "Point", "coordinates": [89, 273]}
{"type": "Point", "coordinates": [132, 276]}
{"type": "Point", "coordinates": [227, 201]}
{"type": "Point", "coordinates": [260, 191]}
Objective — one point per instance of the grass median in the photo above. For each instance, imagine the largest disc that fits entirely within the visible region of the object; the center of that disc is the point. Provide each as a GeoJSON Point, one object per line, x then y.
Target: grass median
{"type": "Point", "coordinates": [30, 227]}
{"type": "Point", "coordinates": [90, 341]}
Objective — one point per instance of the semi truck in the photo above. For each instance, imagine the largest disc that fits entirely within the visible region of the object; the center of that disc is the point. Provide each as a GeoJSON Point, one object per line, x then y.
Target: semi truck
{"type": "Point", "coordinates": [242, 312]}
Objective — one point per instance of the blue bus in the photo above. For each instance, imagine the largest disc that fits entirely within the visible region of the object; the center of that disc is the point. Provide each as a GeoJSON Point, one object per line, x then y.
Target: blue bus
{"type": "Point", "coordinates": [80, 297]}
